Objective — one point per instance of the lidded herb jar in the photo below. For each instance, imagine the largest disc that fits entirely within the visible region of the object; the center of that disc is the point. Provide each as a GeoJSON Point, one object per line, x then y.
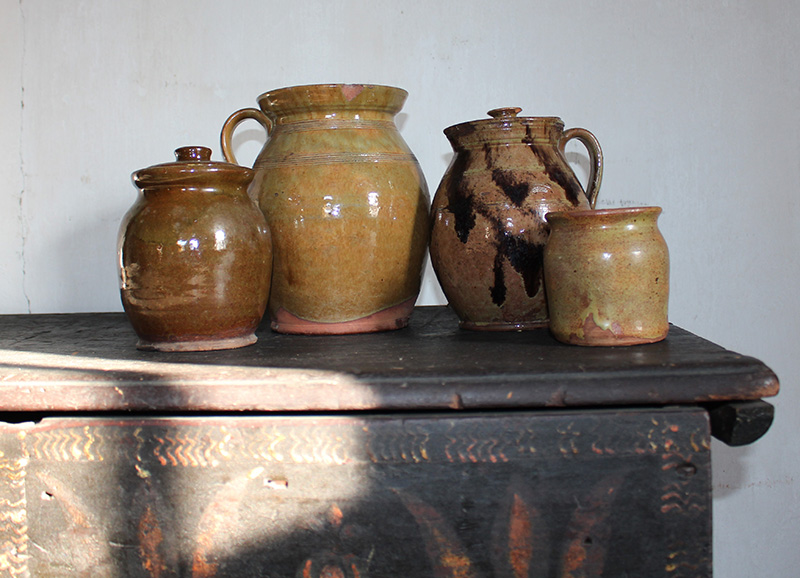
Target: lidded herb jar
{"type": "Point", "coordinates": [195, 255]}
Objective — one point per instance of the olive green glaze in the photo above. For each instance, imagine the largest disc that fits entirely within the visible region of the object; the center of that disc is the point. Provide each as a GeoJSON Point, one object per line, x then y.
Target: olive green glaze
{"type": "Point", "coordinates": [347, 205]}
{"type": "Point", "coordinates": [607, 276]}
{"type": "Point", "coordinates": [195, 256]}
{"type": "Point", "coordinates": [489, 230]}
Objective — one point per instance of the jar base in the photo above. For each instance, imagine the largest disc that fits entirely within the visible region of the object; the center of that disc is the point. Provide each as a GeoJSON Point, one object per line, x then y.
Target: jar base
{"type": "Point", "coordinates": [391, 318]}
{"type": "Point", "coordinates": [621, 340]}
{"type": "Point", "coordinates": [197, 344]}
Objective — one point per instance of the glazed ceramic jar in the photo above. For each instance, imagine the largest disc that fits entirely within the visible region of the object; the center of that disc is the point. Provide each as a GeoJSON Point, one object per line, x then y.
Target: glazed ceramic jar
{"type": "Point", "coordinates": [194, 256]}
{"type": "Point", "coordinates": [489, 229]}
{"type": "Point", "coordinates": [607, 276]}
{"type": "Point", "coordinates": [347, 205]}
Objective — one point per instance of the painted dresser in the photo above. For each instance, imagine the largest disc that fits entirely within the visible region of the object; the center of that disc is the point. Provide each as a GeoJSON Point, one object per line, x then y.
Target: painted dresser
{"type": "Point", "coordinates": [427, 452]}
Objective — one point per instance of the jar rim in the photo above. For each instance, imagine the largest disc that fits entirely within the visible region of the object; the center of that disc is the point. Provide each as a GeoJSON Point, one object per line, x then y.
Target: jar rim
{"type": "Point", "coordinates": [379, 97]}
{"type": "Point", "coordinates": [596, 214]}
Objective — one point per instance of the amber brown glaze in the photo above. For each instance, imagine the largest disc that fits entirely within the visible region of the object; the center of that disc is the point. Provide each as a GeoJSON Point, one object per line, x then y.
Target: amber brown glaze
{"type": "Point", "coordinates": [489, 227]}
{"type": "Point", "coordinates": [347, 205]}
{"type": "Point", "coordinates": [195, 256]}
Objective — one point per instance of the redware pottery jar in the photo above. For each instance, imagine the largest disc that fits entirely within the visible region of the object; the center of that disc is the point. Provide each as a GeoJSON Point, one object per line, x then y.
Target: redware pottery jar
{"type": "Point", "coordinates": [489, 229]}
{"type": "Point", "coordinates": [347, 206]}
{"type": "Point", "coordinates": [194, 256]}
{"type": "Point", "coordinates": [607, 276]}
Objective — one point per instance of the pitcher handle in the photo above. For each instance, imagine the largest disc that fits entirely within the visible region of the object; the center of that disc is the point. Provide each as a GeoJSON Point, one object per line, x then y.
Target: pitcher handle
{"type": "Point", "coordinates": [233, 121]}
{"type": "Point", "coordinates": [595, 155]}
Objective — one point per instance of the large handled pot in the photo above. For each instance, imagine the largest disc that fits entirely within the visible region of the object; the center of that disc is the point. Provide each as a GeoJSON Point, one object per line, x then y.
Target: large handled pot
{"type": "Point", "coordinates": [347, 205]}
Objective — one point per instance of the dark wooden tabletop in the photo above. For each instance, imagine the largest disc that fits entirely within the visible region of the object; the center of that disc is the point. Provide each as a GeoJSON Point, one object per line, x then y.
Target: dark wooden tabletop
{"type": "Point", "coordinates": [88, 362]}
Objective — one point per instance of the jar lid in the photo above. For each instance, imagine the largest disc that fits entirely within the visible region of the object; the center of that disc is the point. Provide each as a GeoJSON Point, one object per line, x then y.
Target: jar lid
{"type": "Point", "coordinates": [504, 126]}
{"type": "Point", "coordinates": [193, 167]}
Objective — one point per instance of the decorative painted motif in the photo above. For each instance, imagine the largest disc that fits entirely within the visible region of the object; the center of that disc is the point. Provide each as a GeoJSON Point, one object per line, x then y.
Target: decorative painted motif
{"type": "Point", "coordinates": [470, 497]}
{"type": "Point", "coordinates": [14, 542]}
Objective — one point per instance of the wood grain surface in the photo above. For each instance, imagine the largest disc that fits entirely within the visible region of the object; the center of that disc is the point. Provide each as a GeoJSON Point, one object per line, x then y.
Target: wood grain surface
{"type": "Point", "coordinates": [88, 362]}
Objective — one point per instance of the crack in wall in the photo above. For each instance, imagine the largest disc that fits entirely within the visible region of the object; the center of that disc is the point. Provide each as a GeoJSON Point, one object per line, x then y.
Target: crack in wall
{"type": "Point", "coordinates": [23, 222]}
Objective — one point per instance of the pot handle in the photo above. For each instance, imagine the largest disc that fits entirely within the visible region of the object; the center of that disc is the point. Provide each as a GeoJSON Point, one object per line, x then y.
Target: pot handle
{"type": "Point", "coordinates": [233, 121]}
{"type": "Point", "coordinates": [595, 156]}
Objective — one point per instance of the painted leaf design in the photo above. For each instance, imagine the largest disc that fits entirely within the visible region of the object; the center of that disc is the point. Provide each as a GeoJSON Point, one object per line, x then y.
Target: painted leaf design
{"type": "Point", "coordinates": [218, 523]}
{"type": "Point", "coordinates": [520, 545]}
{"type": "Point", "coordinates": [588, 531]}
{"type": "Point", "coordinates": [445, 551]}
{"type": "Point", "coordinates": [83, 547]}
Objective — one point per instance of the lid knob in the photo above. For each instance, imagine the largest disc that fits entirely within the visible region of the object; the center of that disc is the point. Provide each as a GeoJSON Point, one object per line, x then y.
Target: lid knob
{"type": "Point", "coordinates": [508, 112]}
{"type": "Point", "coordinates": [189, 154]}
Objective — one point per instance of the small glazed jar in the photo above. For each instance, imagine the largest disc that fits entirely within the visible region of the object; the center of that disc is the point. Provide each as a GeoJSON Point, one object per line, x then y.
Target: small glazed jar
{"type": "Point", "coordinates": [607, 276]}
{"type": "Point", "coordinates": [195, 256]}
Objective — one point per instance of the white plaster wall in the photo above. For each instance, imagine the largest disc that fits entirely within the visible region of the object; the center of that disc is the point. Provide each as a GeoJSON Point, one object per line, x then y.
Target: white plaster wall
{"type": "Point", "coordinates": [696, 105]}
{"type": "Point", "coordinates": [12, 226]}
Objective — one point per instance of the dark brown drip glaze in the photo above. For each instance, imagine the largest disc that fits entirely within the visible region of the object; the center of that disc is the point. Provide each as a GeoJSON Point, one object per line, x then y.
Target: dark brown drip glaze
{"type": "Point", "coordinates": [524, 256]}
{"type": "Point", "coordinates": [459, 200]}
{"type": "Point", "coordinates": [516, 191]}
{"type": "Point", "coordinates": [554, 166]}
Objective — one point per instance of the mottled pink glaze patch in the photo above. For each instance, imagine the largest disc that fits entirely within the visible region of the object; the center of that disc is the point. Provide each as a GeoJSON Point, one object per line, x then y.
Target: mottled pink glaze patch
{"type": "Point", "coordinates": [593, 334]}
{"type": "Point", "coordinates": [350, 91]}
{"type": "Point", "coordinates": [592, 331]}
{"type": "Point", "coordinates": [394, 317]}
